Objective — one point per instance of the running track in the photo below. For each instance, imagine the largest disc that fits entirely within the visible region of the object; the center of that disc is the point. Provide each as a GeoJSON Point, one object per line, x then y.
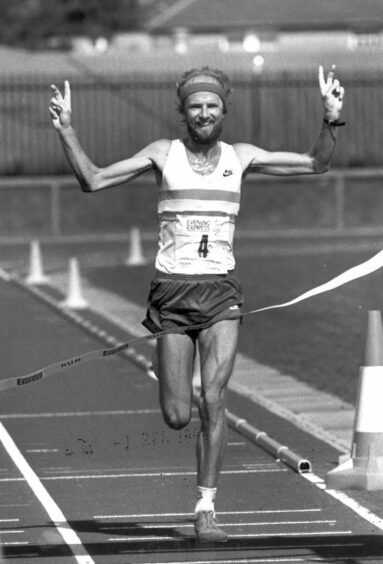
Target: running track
{"type": "Point", "coordinates": [89, 473]}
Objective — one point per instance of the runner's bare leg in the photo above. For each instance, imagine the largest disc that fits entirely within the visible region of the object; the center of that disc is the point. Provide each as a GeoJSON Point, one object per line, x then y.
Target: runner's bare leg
{"type": "Point", "coordinates": [217, 347]}
{"type": "Point", "coordinates": [175, 357]}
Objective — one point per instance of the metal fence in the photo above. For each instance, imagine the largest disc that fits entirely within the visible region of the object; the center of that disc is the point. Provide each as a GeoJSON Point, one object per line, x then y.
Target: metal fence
{"type": "Point", "coordinates": [115, 116]}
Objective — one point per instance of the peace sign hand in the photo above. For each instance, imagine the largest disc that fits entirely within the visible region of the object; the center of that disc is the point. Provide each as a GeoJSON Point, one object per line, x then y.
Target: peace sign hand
{"type": "Point", "coordinates": [332, 94]}
{"type": "Point", "coordinates": [60, 107]}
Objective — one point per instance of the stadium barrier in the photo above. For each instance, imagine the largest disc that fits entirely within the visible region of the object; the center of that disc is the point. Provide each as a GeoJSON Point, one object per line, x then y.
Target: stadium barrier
{"type": "Point", "coordinates": [340, 202]}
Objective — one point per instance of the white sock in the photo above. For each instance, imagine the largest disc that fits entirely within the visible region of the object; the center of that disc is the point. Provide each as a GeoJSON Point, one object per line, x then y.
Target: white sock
{"type": "Point", "coordinates": [205, 499]}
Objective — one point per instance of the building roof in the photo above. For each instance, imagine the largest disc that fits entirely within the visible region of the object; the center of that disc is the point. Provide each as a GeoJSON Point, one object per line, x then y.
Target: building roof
{"type": "Point", "coordinates": [270, 15]}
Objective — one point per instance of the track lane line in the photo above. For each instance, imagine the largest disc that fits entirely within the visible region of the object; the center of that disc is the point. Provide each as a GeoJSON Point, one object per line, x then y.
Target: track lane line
{"type": "Point", "coordinates": [301, 534]}
{"type": "Point", "coordinates": [149, 475]}
{"type": "Point", "coordinates": [256, 560]}
{"type": "Point", "coordinates": [177, 525]}
{"type": "Point", "coordinates": [83, 414]}
{"type": "Point", "coordinates": [189, 514]}
{"type": "Point", "coordinates": [56, 515]}
{"type": "Point", "coordinates": [346, 500]}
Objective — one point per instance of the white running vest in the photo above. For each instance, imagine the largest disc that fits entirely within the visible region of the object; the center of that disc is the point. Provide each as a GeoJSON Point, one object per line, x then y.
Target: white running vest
{"type": "Point", "coordinates": [197, 214]}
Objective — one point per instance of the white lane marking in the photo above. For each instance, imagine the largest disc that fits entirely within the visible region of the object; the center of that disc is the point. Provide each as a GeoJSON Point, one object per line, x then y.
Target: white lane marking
{"type": "Point", "coordinates": [41, 450]}
{"type": "Point", "coordinates": [360, 510]}
{"type": "Point", "coordinates": [240, 561]}
{"type": "Point", "coordinates": [19, 543]}
{"type": "Point", "coordinates": [9, 520]}
{"type": "Point", "coordinates": [74, 472]}
{"type": "Point", "coordinates": [257, 560]}
{"type": "Point", "coordinates": [13, 505]}
{"type": "Point", "coordinates": [80, 413]}
{"type": "Point", "coordinates": [145, 475]}
{"type": "Point", "coordinates": [311, 509]}
{"type": "Point", "coordinates": [238, 524]}
{"type": "Point", "coordinates": [14, 532]}
{"type": "Point", "coordinates": [56, 515]}
{"type": "Point", "coordinates": [148, 538]}
{"type": "Point", "coordinates": [235, 444]}
{"type": "Point", "coordinates": [58, 469]}
{"type": "Point", "coordinates": [302, 534]}
{"type": "Point", "coordinates": [142, 475]}
{"type": "Point", "coordinates": [250, 512]}
{"type": "Point", "coordinates": [258, 464]}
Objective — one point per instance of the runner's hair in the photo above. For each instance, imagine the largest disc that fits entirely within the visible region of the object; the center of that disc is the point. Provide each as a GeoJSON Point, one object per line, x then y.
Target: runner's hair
{"type": "Point", "coordinates": [207, 75]}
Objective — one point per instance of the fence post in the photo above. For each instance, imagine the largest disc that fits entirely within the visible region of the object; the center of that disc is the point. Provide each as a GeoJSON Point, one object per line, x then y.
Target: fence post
{"type": "Point", "coordinates": [55, 208]}
{"type": "Point", "coordinates": [339, 202]}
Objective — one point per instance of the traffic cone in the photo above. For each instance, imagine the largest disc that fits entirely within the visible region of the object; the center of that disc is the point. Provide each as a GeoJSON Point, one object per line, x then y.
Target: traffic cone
{"type": "Point", "coordinates": [136, 256]}
{"type": "Point", "coordinates": [36, 272]}
{"type": "Point", "coordinates": [74, 299]}
{"type": "Point", "coordinates": [363, 470]}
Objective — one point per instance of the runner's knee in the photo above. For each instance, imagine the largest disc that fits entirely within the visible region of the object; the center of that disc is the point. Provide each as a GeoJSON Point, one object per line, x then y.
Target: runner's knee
{"type": "Point", "coordinates": [212, 404]}
{"type": "Point", "coordinates": [176, 415]}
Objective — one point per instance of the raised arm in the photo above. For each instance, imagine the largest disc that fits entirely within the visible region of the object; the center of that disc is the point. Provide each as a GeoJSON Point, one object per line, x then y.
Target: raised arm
{"type": "Point", "coordinates": [90, 176]}
{"type": "Point", "coordinates": [318, 158]}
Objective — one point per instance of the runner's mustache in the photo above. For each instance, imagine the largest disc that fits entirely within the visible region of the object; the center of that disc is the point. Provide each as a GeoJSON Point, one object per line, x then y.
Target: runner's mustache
{"type": "Point", "coordinates": [202, 121]}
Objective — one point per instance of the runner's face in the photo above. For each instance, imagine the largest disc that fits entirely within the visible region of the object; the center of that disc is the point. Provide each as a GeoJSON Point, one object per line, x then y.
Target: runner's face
{"type": "Point", "coordinates": [204, 115]}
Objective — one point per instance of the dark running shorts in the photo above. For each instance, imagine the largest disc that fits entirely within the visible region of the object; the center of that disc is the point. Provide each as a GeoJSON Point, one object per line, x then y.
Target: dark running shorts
{"type": "Point", "coordinates": [179, 301]}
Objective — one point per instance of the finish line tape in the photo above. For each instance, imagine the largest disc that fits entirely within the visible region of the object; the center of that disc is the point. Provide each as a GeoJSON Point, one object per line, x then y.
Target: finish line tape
{"type": "Point", "coordinates": [363, 269]}
{"type": "Point", "coordinates": [372, 264]}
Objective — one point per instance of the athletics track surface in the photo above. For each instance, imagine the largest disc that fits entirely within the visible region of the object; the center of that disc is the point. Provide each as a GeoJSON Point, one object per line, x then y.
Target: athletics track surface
{"type": "Point", "coordinates": [97, 458]}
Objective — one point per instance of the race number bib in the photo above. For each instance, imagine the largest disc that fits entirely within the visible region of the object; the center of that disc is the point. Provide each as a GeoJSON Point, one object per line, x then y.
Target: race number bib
{"type": "Point", "coordinates": [203, 244]}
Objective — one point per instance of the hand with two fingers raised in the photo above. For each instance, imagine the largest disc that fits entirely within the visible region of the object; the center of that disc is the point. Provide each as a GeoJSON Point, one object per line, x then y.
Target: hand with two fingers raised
{"type": "Point", "coordinates": [60, 107]}
{"type": "Point", "coordinates": [332, 94]}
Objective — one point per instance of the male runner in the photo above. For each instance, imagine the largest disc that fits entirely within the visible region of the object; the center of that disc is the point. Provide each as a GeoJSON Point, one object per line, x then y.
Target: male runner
{"type": "Point", "coordinates": [198, 201]}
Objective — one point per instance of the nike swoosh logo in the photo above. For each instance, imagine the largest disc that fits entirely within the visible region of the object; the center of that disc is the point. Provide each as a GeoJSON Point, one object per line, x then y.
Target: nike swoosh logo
{"type": "Point", "coordinates": [227, 173]}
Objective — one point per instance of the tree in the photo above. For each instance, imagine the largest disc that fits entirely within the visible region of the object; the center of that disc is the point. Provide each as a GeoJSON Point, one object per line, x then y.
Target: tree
{"type": "Point", "coordinates": [31, 23]}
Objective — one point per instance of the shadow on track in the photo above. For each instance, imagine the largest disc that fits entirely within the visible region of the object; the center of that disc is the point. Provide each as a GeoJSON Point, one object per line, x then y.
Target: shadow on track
{"type": "Point", "coordinates": [351, 549]}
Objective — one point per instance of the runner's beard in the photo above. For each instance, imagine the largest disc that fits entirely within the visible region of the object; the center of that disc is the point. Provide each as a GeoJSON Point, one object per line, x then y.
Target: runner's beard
{"type": "Point", "coordinates": [202, 136]}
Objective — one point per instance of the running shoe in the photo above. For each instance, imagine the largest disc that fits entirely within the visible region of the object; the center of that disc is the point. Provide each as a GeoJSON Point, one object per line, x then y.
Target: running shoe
{"type": "Point", "coordinates": [206, 528]}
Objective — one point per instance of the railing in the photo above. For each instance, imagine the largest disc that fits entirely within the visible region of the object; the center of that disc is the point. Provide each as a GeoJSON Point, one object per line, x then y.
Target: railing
{"type": "Point", "coordinates": [342, 201]}
{"type": "Point", "coordinates": [115, 116]}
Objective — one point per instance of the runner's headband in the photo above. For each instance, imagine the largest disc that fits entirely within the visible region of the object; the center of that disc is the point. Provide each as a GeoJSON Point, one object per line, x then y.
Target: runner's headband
{"type": "Point", "coordinates": [185, 90]}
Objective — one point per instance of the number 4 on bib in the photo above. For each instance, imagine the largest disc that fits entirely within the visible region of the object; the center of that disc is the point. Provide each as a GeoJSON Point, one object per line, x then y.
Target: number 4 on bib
{"type": "Point", "coordinates": [203, 247]}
